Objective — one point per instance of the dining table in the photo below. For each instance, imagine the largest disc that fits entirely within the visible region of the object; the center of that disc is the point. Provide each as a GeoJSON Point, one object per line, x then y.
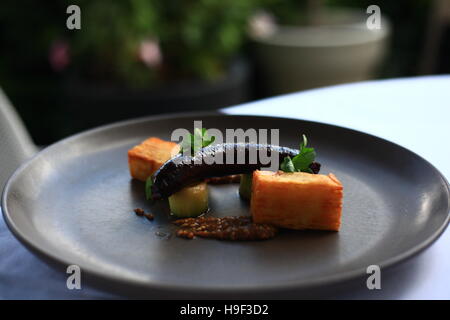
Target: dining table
{"type": "Point", "coordinates": [412, 112]}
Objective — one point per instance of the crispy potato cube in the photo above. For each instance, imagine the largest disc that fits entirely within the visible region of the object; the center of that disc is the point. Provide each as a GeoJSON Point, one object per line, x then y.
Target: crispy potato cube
{"type": "Point", "coordinates": [145, 158]}
{"type": "Point", "coordinates": [297, 200]}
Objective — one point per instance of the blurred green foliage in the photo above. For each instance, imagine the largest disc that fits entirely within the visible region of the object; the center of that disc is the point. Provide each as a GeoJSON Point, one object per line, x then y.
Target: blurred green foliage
{"type": "Point", "coordinates": [196, 39]}
{"type": "Point", "coordinates": [106, 47]}
{"type": "Point", "coordinates": [288, 11]}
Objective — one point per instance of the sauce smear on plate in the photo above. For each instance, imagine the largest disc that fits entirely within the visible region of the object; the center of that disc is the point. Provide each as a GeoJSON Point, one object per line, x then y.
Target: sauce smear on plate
{"type": "Point", "coordinates": [227, 228]}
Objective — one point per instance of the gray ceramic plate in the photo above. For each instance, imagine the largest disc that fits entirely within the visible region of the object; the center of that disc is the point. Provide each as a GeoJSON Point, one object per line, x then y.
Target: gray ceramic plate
{"type": "Point", "coordinates": [73, 202]}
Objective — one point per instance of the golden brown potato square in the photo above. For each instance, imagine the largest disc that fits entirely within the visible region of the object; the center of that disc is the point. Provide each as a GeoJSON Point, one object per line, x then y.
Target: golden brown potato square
{"type": "Point", "coordinates": [297, 200]}
{"type": "Point", "coordinates": [145, 158]}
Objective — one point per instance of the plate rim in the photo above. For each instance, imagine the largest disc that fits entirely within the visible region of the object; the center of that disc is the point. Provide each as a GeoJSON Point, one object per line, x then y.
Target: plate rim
{"type": "Point", "coordinates": [316, 282]}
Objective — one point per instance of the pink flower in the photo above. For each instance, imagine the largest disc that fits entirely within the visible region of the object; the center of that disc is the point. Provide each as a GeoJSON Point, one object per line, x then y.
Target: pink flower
{"type": "Point", "coordinates": [150, 53]}
{"type": "Point", "coordinates": [59, 55]}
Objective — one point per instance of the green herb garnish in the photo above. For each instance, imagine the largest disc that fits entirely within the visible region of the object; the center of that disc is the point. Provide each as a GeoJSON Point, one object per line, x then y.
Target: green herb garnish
{"type": "Point", "coordinates": [287, 165]}
{"type": "Point", "coordinates": [196, 141]}
{"type": "Point", "coordinates": [302, 161]}
{"type": "Point", "coordinates": [148, 188]}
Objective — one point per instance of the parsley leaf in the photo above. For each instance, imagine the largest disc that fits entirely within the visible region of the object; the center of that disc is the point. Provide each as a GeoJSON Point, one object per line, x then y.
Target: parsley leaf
{"type": "Point", "coordinates": [287, 165]}
{"type": "Point", "coordinates": [302, 161]}
{"type": "Point", "coordinates": [196, 141]}
{"type": "Point", "coordinates": [303, 143]}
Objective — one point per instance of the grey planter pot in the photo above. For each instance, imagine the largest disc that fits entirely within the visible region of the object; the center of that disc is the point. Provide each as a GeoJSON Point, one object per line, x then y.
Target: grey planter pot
{"type": "Point", "coordinates": [342, 50]}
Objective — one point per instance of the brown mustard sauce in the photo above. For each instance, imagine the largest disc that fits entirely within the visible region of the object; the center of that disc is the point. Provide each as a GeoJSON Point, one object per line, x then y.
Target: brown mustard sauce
{"type": "Point", "coordinates": [227, 228]}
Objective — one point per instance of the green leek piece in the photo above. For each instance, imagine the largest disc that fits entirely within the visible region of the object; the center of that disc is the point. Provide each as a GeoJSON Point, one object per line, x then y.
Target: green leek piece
{"type": "Point", "coordinates": [245, 188]}
{"type": "Point", "coordinates": [191, 201]}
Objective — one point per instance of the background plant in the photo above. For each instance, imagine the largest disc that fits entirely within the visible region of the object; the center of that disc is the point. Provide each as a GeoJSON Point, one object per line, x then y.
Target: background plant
{"type": "Point", "coordinates": [187, 38]}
